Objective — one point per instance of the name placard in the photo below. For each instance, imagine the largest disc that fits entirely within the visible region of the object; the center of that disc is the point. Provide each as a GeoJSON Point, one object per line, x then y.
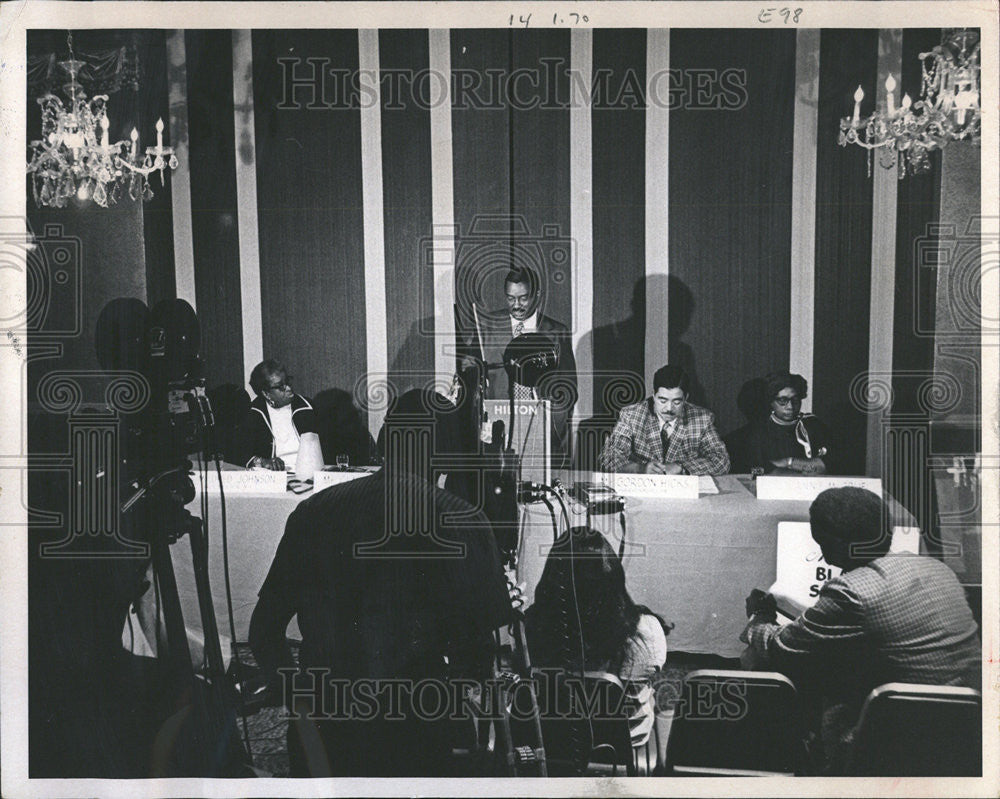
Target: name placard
{"type": "Point", "coordinates": [801, 569]}
{"type": "Point", "coordinates": [806, 489]}
{"type": "Point", "coordinates": [249, 481]}
{"type": "Point", "coordinates": [653, 486]}
{"type": "Point", "coordinates": [323, 480]}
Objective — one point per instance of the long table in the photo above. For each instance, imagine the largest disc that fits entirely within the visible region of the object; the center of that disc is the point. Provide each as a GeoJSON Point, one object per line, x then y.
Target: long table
{"type": "Point", "coordinates": [693, 561]}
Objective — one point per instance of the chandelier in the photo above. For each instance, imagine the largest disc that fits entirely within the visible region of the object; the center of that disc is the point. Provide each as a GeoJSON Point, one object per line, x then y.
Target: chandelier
{"type": "Point", "coordinates": [948, 108]}
{"type": "Point", "coordinates": [76, 159]}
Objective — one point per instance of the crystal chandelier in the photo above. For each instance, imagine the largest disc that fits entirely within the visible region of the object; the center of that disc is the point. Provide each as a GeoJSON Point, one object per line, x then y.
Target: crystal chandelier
{"type": "Point", "coordinates": [75, 158]}
{"type": "Point", "coordinates": [948, 108]}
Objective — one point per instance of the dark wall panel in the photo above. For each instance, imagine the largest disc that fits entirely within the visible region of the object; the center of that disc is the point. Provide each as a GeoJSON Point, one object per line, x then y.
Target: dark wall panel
{"type": "Point", "coordinates": [158, 216]}
{"type": "Point", "coordinates": [309, 203]}
{"type": "Point", "coordinates": [214, 224]}
{"type": "Point", "coordinates": [843, 239]}
{"type": "Point", "coordinates": [480, 126]}
{"type": "Point", "coordinates": [619, 205]}
{"type": "Point", "coordinates": [730, 209]}
{"type": "Point", "coordinates": [406, 189]}
{"type": "Point", "coordinates": [917, 210]}
{"type": "Point", "coordinates": [540, 149]}
{"type": "Point", "coordinates": [87, 255]}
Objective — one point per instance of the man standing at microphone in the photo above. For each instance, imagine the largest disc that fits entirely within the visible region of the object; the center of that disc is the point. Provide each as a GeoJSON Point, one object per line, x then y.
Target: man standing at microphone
{"type": "Point", "coordinates": [665, 434]}
{"type": "Point", "coordinates": [523, 315]}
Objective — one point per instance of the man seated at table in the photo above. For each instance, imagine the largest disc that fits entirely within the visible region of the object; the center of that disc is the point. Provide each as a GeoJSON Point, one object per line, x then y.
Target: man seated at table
{"type": "Point", "coordinates": [397, 584]}
{"type": "Point", "coordinates": [665, 434]}
{"type": "Point", "coordinates": [279, 422]}
{"type": "Point", "coordinates": [888, 618]}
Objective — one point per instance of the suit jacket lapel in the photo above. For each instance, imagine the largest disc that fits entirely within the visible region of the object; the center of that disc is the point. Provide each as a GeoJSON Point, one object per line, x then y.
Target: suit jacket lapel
{"type": "Point", "coordinates": [651, 430]}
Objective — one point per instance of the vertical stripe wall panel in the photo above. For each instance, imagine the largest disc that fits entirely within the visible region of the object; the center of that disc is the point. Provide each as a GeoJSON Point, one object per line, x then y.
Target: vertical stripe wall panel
{"type": "Point", "coordinates": [582, 218]}
{"type": "Point", "coordinates": [376, 355]}
{"type": "Point", "coordinates": [309, 198]}
{"type": "Point", "coordinates": [406, 182]}
{"type": "Point", "coordinates": [657, 345]}
{"type": "Point", "coordinates": [246, 198]}
{"type": "Point", "coordinates": [803, 276]}
{"type": "Point", "coordinates": [480, 125]}
{"type": "Point", "coordinates": [843, 241]}
{"type": "Point", "coordinates": [618, 124]}
{"type": "Point", "coordinates": [540, 145]}
{"type": "Point", "coordinates": [214, 226]}
{"type": "Point", "coordinates": [180, 179]}
{"type": "Point", "coordinates": [442, 206]}
{"type": "Point", "coordinates": [731, 140]}
{"type": "Point", "coordinates": [883, 266]}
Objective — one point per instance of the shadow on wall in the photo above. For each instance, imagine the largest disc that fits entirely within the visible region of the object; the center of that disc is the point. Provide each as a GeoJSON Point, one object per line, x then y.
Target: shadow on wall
{"type": "Point", "coordinates": [342, 430]}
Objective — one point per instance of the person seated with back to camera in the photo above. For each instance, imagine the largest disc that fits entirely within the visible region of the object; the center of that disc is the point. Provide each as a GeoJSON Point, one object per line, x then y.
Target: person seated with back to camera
{"type": "Point", "coordinates": [280, 425]}
{"type": "Point", "coordinates": [889, 617]}
{"type": "Point", "coordinates": [614, 633]}
{"type": "Point", "coordinates": [780, 437]}
{"type": "Point", "coordinates": [665, 434]}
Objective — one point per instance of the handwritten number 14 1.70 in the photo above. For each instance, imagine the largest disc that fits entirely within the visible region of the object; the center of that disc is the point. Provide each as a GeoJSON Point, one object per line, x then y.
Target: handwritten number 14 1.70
{"type": "Point", "coordinates": [524, 20]}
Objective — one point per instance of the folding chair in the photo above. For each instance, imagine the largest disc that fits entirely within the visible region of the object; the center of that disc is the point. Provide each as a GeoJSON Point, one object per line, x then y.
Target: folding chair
{"type": "Point", "coordinates": [736, 723]}
{"type": "Point", "coordinates": [908, 730]}
{"type": "Point", "coordinates": [584, 723]}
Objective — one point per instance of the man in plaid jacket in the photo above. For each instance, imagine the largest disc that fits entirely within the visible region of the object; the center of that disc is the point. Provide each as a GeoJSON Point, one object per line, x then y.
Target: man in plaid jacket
{"type": "Point", "coordinates": [887, 618]}
{"type": "Point", "coordinates": [664, 434]}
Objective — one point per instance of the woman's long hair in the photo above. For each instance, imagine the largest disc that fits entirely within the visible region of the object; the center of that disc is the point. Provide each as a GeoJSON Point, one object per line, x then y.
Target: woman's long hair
{"type": "Point", "coordinates": [599, 611]}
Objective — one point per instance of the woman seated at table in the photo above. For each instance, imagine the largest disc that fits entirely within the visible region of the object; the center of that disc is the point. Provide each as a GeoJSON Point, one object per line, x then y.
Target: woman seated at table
{"type": "Point", "coordinates": [779, 437]}
{"type": "Point", "coordinates": [582, 606]}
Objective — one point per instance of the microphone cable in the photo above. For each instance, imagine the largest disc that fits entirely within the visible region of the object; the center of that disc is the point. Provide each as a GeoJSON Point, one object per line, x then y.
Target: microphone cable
{"type": "Point", "coordinates": [208, 443]}
{"type": "Point", "coordinates": [578, 745]}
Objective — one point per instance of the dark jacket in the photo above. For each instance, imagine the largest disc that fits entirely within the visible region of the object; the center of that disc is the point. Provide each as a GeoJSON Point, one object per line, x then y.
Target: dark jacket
{"type": "Point", "coordinates": [559, 387]}
{"type": "Point", "coordinates": [748, 446]}
{"type": "Point", "coordinates": [899, 618]}
{"type": "Point", "coordinates": [377, 603]}
{"type": "Point", "coordinates": [256, 438]}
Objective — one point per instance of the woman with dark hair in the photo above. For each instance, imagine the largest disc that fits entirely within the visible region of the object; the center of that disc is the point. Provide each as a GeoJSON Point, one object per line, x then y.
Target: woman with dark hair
{"type": "Point", "coordinates": [583, 610]}
{"type": "Point", "coordinates": [779, 436]}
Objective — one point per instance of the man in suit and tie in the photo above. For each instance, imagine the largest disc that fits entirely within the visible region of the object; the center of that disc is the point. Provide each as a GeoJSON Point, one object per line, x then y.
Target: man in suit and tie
{"type": "Point", "coordinates": [523, 315]}
{"type": "Point", "coordinates": [665, 434]}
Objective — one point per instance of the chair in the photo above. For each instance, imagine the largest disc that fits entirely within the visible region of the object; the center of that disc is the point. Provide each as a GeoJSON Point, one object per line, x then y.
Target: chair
{"type": "Point", "coordinates": [908, 730]}
{"type": "Point", "coordinates": [585, 727]}
{"type": "Point", "coordinates": [736, 723]}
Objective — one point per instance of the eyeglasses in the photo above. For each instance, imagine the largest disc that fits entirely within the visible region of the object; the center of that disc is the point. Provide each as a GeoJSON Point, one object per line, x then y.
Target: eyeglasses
{"type": "Point", "coordinates": [787, 400]}
{"type": "Point", "coordinates": [286, 383]}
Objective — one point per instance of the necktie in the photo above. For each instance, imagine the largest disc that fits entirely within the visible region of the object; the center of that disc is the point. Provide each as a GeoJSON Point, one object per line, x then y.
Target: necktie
{"type": "Point", "coordinates": [665, 440]}
{"type": "Point", "coordinates": [521, 392]}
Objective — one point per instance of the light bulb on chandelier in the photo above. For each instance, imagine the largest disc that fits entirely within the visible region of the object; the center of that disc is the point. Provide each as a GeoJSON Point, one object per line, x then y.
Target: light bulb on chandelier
{"type": "Point", "coordinates": [71, 162]}
{"type": "Point", "coordinates": [948, 109]}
